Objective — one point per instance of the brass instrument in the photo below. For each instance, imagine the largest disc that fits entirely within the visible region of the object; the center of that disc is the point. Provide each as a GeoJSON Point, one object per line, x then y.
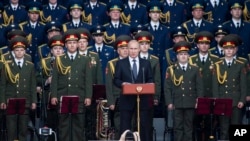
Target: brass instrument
{"type": "Point", "coordinates": [102, 121]}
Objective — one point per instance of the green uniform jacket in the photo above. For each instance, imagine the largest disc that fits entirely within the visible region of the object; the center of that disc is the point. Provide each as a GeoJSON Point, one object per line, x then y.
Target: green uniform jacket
{"type": "Point", "coordinates": [183, 93]}
{"type": "Point", "coordinates": [8, 56]}
{"type": "Point", "coordinates": [232, 84]}
{"type": "Point", "coordinates": [206, 71]}
{"type": "Point", "coordinates": [154, 61]}
{"type": "Point", "coordinates": [71, 77]}
{"type": "Point", "coordinates": [112, 92]}
{"type": "Point", "coordinates": [96, 68]}
{"type": "Point", "coordinates": [22, 87]}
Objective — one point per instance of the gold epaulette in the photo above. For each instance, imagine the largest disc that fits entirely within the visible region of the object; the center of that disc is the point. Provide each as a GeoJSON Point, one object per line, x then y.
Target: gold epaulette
{"type": "Point", "coordinates": [23, 23]}
{"type": "Point", "coordinates": [242, 58]}
{"type": "Point", "coordinates": [193, 65]}
{"type": "Point", "coordinates": [92, 52]}
{"type": "Point", "coordinates": [89, 47]}
{"type": "Point", "coordinates": [155, 57]}
{"type": "Point", "coordinates": [142, 5]}
{"type": "Point", "coordinates": [29, 62]}
{"type": "Point", "coordinates": [65, 27]}
{"type": "Point", "coordinates": [42, 23]}
{"type": "Point", "coordinates": [63, 7]}
{"type": "Point", "coordinates": [107, 24]}
{"type": "Point", "coordinates": [213, 48]}
{"type": "Point", "coordinates": [42, 45]}
{"type": "Point", "coordinates": [151, 49]}
{"type": "Point", "coordinates": [214, 55]}
{"type": "Point", "coordinates": [239, 61]}
{"type": "Point", "coordinates": [226, 22]}
{"type": "Point", "coordinates": [126, 24]}
{"type": "Point", "coordinates": [109, 46]}
{"type": "Point", "coordinates": [194, 56]}
{"type": "Point", "coordinates": [218, 62]}
{"type": "Point", "coordinates": [102, 3]}
{"type": "Point", "coordinates": [180, 2]}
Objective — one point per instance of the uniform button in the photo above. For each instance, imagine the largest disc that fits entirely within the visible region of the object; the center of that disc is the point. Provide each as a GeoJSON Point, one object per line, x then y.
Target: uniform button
{"type": "Point", "coordinates": [69, 78]}
{"type": "Point", "coordinates": [182, 82]}
{"type": "Point", "coordinates": [233, 79]}
{"type": "Point", "coordinates": [182, 88]}
{"type": "Point", "coordinates": [17, 92]}
{"type": "Point", "coordinates": [233, 85]}
{"type": "Point", "coordinates": [226, 86]}
{"type": "Point", "coordinates": [226, 92]}
{"type": "Point", "coordinates": [183, 94]}
{"type": "Point", "coordinates": [190, 88]}
{"type": "Point", "coordinates": [17, 86]}
{"type": "Point", "coordinates": [69, 85]}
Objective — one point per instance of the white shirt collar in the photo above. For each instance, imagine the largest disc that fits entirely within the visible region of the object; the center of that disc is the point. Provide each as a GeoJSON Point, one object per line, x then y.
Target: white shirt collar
{"type": "Point", "coordinates": [155, 23]}
{"type": "Point", "coordinates": [235, 21]}
{"type": "Point", "coordinates": [96, 46]}
{"type": "Point", "coordinates": [185, 65]}
{"type": "Point", "coordinates": [132, 3]}
{"type": "Point", "coordinates": [33, 24]}
{"type": "Point", "coordinates": [83, 52]}
{"type": "Point", "coordinates": [14, 6]}
{"type": "Point", "coordinates": [74, 55]}
{"type": "Point", "coordinates": [195, 21]}
{"type": "Point", "coordinates": [229, 61]}
{"type": "Point", "coordinates": [50, 5]}
{"type": "Point", "coordinates": [212, 2]}
{"type": "Point", "coordinates": [170, 1]}
{"type": "Point", "coordinates": [76, 21]}
{"type": "Point", "coordinates": [21, 61]}
{"type": "Point", "coordinates": [142, 55]}
{"type": "Point", "coordinates": [113, 23]}
{"type": "Point", "coordinates": [201, 56]}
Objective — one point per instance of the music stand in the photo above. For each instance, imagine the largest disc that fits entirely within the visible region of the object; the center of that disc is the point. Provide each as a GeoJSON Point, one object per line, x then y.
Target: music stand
{"type": "Point", "coordinates": [69, 105]}
{"type": "Point", "coordinates": [16, 106]}
{"type": "Point", "coordinates": [99, 92]}
{"type": "Point", "coordinates": [138, 89]}
{"type": "Point", "coordinates": [205, 106]}
{"type": "Point", "coordinates": [223, 107]}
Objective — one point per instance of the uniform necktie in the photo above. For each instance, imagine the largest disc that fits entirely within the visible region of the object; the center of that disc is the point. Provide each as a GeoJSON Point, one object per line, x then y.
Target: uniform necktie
{"type": "Point", "coordinates": [84, 54]}
{"type": "Point", "coordinates": [229, 64]}
{"type": "Point", "coordinates": [99, 51]}
{"type": "Point", "coordinates": [132, 7]}
{"type": "Point", "coordinates": [93, 6]}
{"type": "Point", "coordinates": [170, 4]}
{"type": "Point", "coordinates": [134, 69]}
{"type": "Point", "coordinates": [76, 25]}
{"type": "Point", "coordinates": [203, 60]}
{"type": "Point", "coordinates": [221, 52]}
{"type": "Point", "coordinates": [115, 26]}
{"type": "Point", "coordinates": [72, 58]}
{"type": "Point", "coordinates": [33, 26]}
{"type": "Point", "coordinates": [237, 25]}
{"type": "Point", "coordinates": [183, 68]}
{"type": "Point", "coordinates": [19, 64]}
{"type": "Point", "coordinates": [155, 26]}
{"type": "Point", "coordinates": [144, 58]}
{"type": "Point", "coordinates": [14, 8]}
{"type": "Point", "coordinates": [197, 24]}
{"type": "Point", "coordinates": [53, 7]}
{"type": "Point", "coordinates": [215, 4]}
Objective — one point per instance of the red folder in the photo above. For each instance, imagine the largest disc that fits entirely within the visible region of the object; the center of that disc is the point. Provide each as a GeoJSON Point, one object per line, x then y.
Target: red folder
{"type": "Point", "coordinates": [223, 107]}
{"type": "Point", "coordinates": [99, 92]}
{"type": "Point", "coordinates": [69, 104]}
{"type": "Point", "coordinates": [16, 106]}
{"type": "Point", "coordinates": [204, 106]}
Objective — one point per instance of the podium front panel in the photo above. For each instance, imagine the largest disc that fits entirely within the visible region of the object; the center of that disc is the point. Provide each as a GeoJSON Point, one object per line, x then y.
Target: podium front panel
{"type": "Point", "coordinates": [138, 89]}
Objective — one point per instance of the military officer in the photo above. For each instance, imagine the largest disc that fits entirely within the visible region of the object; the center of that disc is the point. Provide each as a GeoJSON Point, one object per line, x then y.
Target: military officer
{"type": "Point", "coordinates": [115, 27]}
{"type": "Point", "coordinates": [75, 9]}
{"type": "Point", "coordinates": [205, 61]}
{"type": "Point", "coordinates": [196, 23]}
{"type": "Point", "coordinates": [97, 11]}
{"type": "Point", "coordinates": [219, 33]}
{"type": "Point", "coordinates": [229, 81]}
{"type": "Point", "coordinates": [160, 32]}
{"type": "Point", "coordinates": [216, 11]}
{"type": "Point", "coordinates": [174, 13]}
{"type": "Point", "coordinates": [35, 30]}
{"type": "Point", "coordinates": [13, 11]}
{"type": "Point", "coordinates": [70, 78]}
{"type": "Point", "coordinates": [183, 85]}
{"type": "Point", "coordinates": [52, 28]}
{"type": "Point", "coordinates": [105, 52]}
{"type": "Point", "coordinates": [20, 84]}
{"type": "Point", "coordinates": [237, 26]}
{"type": "Point", "coordinates": [53, 11]}
{"type": "Point", "coordinates": [113, 92]}
{"type": "Point", "coordinates": [134, 13]}
{"type": "Point", "coordinates": [56, 45]}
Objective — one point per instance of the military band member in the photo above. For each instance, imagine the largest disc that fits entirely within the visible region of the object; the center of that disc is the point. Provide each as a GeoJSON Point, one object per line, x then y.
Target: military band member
{"type": "Point", "coordinates": [75, 9]}
{"type": "Point", "coordinates": [134, 13]}
{"type": "Point", "coordinates": [95, 12]}
{"type": "Point", "coordinates": [13, 11]}
{"type": "Point", "coordinates": [105, 52]}
{"type": "Point", "coordinates": [183, 85]}
{"type": "Point", "coordinates": [18, 81]}
{"type": "Point", "coordinates": [219, 33]}
{"type": "Point", "coordinates": [115, 27]}
{"type": "Point", "coordinates": [236, 25]}
{"type": "Point", "coordinates": [113, 92]}
{"type": "Point", "coordinates": [53, 11]}
{"type": "Point", "coordinates": [52, 28]}
{"type": "Point", "coordinates": [229, 81]}
{"type": "Point", "coordinates": [72, 76]}
{"type": "Point", "coordinates": [56, 45]}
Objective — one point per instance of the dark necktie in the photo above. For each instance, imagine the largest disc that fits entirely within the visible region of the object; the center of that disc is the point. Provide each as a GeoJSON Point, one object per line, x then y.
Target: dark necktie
{"type": "Point", "coordinates": [183, 68]}
{"type": "Point", "coordinates": [19, 64]}
{"type": "Point", "coordinates": [144, 58]}
{"type": "Point", "coordinates": [237, 25]}
{"type": "Point", "coordinates": [72, 58]}
{"type": "Point", "coordinates": [134, 69]}
{"type": "Point", "coordinates": [221, 52]}
{"type": "Point", "coordinates": [14, 8]}
{"type": "Point", "coordinates": [115, 26]}
{"type": "Point", "coordinates": [53, 7]}
{"type": "Point", "coordinates": [215, 4]}
{"type": "Point", "coordinates": [155, 27]}
{"type": "Point", "coordinates": [170, 4]}
{"type": "Point", "coordinates": [33, 26]}
{"type": "Point", "coordinates": [229, 64]}
{"type": "Point", "coordinates": [197, 24]}
{"type": "Point", "coordinates": [99, 50]}
{"type": "Point", "coordinates": [132, 7]}
{"type": "Point", "coordinates": [76, 25]}
{"type": "Point", "coordinates": [203, 60]}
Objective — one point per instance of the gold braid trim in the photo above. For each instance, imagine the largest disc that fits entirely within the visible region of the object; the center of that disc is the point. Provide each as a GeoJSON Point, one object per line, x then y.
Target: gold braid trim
{"type": "Point", "coordinates": [45, 68]}
{"type": "Point", "coordinates": [13, 78]}
{"type": "Point", "coordinates": [165, 18]}
{"type": "Point", "coordinates": [246, 14]}
{"type": "Point", "coordinates": [109, 39]}
{"type": "Point", "coordinates": [63, 70]}
{"type": "Point", "coordinates": [209, 16]}
{"type": "Point", "coordinates": [7, 20]}
{"type": "Point", "coordinates": [87, 19]}
{"type": "Point", "coordinates": [43, 18]}
{"type": "Point", "coordinates": [112, 67]}
{"type": "Point", "coordinates": [169, 61]}
{"type": "Point", "coordinates": [178, 81]}
{"type": "Point", "coordinates": [189, 36]}
{"type": "Point", "coordinates": [221, 79]}
{"type": "Point", "coordinates": [125, 19]}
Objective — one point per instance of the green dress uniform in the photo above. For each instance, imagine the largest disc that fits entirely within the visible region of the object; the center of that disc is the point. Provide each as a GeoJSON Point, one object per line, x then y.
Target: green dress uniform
{"type": "Point", "coordinates": [229, 81]}
{"type": "Point", "coordinates": [182, 88]}
{"type": "Point", "coordinates": [96, 68]}
{"type": "Point", "coordinates": [18, 83]}
{"type": "Point", "coordinates": [72, 78]}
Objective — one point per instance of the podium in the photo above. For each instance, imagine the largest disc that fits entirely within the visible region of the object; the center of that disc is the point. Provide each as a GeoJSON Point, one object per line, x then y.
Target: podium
{"type": "Point", "coordinates": [16, 106]}
{"type": "Point", "coordinates": [138, 89]}
{"type": "Point", "coordinates": [212, 106]}
{"type": "Point", "coordinates": [69, 105]}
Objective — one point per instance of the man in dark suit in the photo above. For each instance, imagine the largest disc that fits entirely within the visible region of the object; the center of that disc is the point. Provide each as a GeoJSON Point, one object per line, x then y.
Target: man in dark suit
{"type": "Point", "coordinates": [72, 76]}
{"type": "Point", "coordinates": [134, 69]}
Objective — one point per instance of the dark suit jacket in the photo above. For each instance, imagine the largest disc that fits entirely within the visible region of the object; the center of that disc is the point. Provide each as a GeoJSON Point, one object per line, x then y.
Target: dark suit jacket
{"type": "Point", "coordinates": [123, 73]}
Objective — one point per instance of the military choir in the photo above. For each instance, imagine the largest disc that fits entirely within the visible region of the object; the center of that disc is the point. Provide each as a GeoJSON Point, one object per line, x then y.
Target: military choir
{"type": "Point", "coordinates": [51, 49]}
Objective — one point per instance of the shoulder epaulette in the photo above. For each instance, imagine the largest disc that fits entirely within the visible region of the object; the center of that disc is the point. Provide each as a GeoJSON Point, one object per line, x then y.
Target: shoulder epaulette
{"type": "Point", "coordinates": [63, 7]}
{"type": "Point", "coordinates": [89, 47]}
{"type": "Point", "coordinates": [102, 3]}
{"type": "Point", "coordinates": [214, 55]}
{"type": "Point", "coordinates": [186, 22]}
{"type": "Point", "coordinates": [92, 52]}
{"type": "Point", "coordinates": [222, 58]}
{"type": "Point", "coordinates": [109, 46]}
{"type": "Point", "coordinates": [23, 23]}
{"type": "Point", "coordinates": [180, 2]}
{"type": "Point", "coordinates": [226, 22]}
{"type": "Point", "coordinates": [22, 6]}
{"type": "Point", "coordinates": [46, 58]}
{"type": "Point", "coordinates": [126, 24]}
{"type": "Point", "coordinates": [212, 48]}
{"type": "Point", "coordinates": [29, 62]}
{"type": "Point", "coordinates": [42, 23]}
{"type": "Point", "coordinates": [6, 6]}
{"type": "Point", "coordinates": [64, 27]}
{"type": "Point", "coordinates": [194, 56]}
{"type": "Point", "coordinates": [219, 62]}
{"type": "Point", "coordinates": [193, 65]}
{"type": "Point", "coordinates": [242, 58]}
{"type": "Point", "coordinates": [155, 57]}
{"type": "Point", "coordinates": [107, 24]}
{"type": "Point", "coordinates": [140, 4]}
{"type": "Point", "coordinates": [42, 45]}
{"type": "Point", "coordinates": [239, 61]}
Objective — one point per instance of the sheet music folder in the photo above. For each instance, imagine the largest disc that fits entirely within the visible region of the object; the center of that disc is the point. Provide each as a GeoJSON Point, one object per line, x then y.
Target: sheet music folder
{"type": "Point", "coordinates": [223, 107]}
{"type": "Point", "coordinates": [99, 92]}
{"type": "Point", "coordinates": [204, 106]}
{"type": "Point", "coordinates": [16, 106]}
{"type": "Point", "coordinates": [69, 104]}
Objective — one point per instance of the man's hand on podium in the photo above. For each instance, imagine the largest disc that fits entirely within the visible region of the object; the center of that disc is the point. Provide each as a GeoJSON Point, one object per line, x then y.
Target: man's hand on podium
{"type": "Point", "coordinates": [3, 106]}
{"type": "Point", "coordinates": [54, 101]}
{"type": "Point", "coordinates": [125, 83]}
{"type": "Point", "coordinates": [87, 101]}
